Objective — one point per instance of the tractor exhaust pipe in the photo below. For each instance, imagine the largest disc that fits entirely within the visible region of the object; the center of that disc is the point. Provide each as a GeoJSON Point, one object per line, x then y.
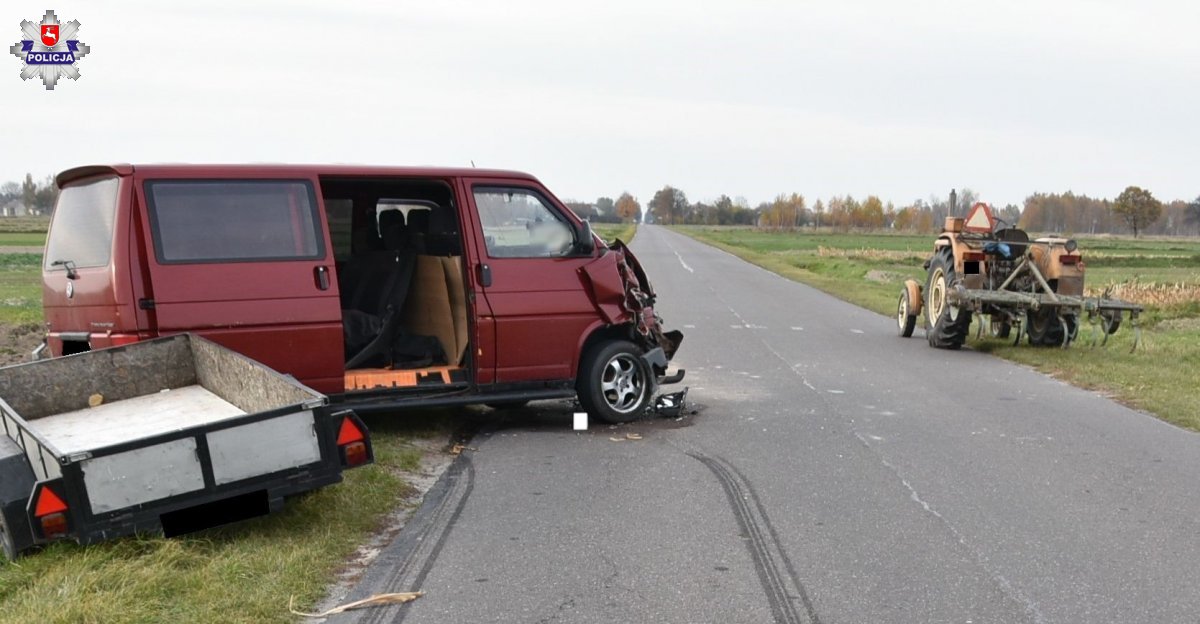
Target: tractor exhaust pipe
{"type": "Point", "coordinates": [953, 203]}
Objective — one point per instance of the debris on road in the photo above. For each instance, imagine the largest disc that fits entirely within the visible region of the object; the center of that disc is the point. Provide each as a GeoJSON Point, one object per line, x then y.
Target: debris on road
{"type": "Point", "coordinates": [457, 449]}
{"type": "Point", "coordinates": [671, 405]}
{"type": "Point", "coordinates": [373, 601]}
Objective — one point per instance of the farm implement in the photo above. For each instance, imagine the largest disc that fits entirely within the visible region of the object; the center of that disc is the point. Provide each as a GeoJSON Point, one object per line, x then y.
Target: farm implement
{"type": "Point", "coordinates": [1025, 287]}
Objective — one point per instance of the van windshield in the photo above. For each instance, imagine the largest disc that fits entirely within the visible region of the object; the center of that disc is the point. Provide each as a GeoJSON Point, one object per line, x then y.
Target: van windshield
{"type": "Point", "coordinates": [81, 231]}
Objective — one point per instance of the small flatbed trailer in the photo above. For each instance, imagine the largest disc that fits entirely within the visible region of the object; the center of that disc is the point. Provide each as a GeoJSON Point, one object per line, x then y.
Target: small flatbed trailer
{"type": "Point", "coordinates": [166, 436]}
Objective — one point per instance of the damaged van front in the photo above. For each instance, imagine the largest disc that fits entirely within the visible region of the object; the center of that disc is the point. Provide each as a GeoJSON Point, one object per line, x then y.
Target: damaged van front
{"type": "Point", "coordinates": [625, 300]}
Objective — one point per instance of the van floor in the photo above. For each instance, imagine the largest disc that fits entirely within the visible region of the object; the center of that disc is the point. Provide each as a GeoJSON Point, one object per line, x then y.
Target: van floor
{"type": "Point", "coordinates": [382, 378]}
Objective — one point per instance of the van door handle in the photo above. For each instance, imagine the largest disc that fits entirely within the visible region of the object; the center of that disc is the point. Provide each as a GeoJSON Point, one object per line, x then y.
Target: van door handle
{"type": "Point", "coordinates": [321, 274]}
{"type": "Point", "coordinates": [485, 275]}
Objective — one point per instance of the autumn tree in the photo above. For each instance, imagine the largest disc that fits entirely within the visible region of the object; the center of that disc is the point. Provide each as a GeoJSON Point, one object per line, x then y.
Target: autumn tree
{"type": "Point", "coordinates": [1192, 212]}
{"type": "Point", "coordinates": [669, 205]}
{"type": "Point", "coordinates": [818, 210]}
{"type": "Point", "coordinates": [1137, 207]}
{"type": "Point", "coordinates": [604, 205]}
{"type": "Point", "coordinates": [628, 208]}
{"type": "Point", "coordinates": [870, 213]}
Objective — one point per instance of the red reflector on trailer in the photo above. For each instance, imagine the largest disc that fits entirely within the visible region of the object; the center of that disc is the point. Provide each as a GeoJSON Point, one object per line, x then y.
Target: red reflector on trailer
{"type": "Point", "coordinates": [355, 454]}
{"type": "Point", "coordinates": [348, 433]}
{"type": "Point", "coordinates": [48, 503]}
{"type": "Point", "coordinates": [1069, 259]}
{"type": "Point", "coordinates": [54, 526]}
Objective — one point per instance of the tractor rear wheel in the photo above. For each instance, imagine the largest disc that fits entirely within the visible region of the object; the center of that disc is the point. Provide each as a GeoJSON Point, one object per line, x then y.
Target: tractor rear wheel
{"type": "Point", "coordinates": [946, 326]}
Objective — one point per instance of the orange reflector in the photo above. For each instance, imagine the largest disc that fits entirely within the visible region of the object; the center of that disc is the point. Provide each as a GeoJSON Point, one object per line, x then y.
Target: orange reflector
{"type": "Point", "coordinates": [54, 526]}
{"type": "Point", "coordinates": [1069, 259]}
{"type": "Point", "coordinates": [355, 454]}
{"type": "Point", "coordinates": [348, 433]}
{"type": "Point", "coordinates": [48, 503]}
{"type": "Point", "coordinates": [972, 256]}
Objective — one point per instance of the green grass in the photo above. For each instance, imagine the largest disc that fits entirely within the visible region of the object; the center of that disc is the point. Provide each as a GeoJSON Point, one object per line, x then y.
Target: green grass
{"type": "Point", "coordinates": [611, 231]}
{"type": "Point", "coordinates": [20, 288]}
{"type": "Point", "coordinates": [22, 239]}
{"type": "Point", "coordinates": [242, 573]}
{"type": "Point", "coordinates": [868, 270]}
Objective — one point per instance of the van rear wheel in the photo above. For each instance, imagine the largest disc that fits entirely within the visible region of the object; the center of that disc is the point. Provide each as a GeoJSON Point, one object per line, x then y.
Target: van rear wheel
{"type": "Point", "coordinates": [615, 382]}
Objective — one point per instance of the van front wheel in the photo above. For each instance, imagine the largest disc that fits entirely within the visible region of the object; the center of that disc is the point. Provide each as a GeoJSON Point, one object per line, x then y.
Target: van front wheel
{"type": "Point", "coordinates": [614, 382]}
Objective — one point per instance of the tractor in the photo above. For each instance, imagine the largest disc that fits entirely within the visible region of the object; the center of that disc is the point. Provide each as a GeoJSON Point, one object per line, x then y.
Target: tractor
{"type": "Point", "coordinates": [983, 266]}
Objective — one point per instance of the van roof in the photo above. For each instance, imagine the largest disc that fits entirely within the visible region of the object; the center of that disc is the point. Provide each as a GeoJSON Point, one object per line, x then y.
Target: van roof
{"type": "Point", "coordinates": [277, 170]}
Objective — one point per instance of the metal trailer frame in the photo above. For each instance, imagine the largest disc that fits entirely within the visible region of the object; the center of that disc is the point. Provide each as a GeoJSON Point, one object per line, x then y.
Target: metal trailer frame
{"type": "Point", "coordinates": [30, 462]}
{"type": "Point", "coordinates": [1104, 313]}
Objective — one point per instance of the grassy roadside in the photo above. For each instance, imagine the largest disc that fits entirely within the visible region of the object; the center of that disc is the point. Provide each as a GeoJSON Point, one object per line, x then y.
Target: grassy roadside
{"type": "Point", "coordinates": [867, 270]}
{"type": "Point", "coordinates": [610, 231]}
{"type": "Point", "coordinates": [242, 573]}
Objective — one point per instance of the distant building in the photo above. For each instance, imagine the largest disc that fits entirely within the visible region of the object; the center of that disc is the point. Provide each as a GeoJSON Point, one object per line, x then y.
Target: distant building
{"type": "Point", "coordinates": [13, 208]}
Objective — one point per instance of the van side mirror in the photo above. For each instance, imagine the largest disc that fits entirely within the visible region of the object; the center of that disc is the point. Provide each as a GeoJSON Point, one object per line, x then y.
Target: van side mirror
{"type": "Point", "coordinates": [585, 243]}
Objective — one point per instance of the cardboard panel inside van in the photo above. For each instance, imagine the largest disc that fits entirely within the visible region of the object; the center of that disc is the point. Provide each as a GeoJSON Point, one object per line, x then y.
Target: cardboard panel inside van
{"type": "Point", "coordinates": [436, 304]}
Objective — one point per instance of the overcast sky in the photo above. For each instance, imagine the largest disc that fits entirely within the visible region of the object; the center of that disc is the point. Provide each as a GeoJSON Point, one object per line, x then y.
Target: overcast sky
{"type": "Point", "coordinates": [899, 99]}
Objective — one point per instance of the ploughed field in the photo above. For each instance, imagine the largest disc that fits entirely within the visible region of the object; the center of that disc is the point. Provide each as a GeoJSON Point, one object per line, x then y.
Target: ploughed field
{"type": "Point", "coordinates": [1162, 274]}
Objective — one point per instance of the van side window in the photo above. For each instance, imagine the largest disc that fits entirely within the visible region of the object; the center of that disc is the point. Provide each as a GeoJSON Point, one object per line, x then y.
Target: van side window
{"type": "Point", "coordinates": [518, 223]}
{"type": "Point", "coordinates": [233, 220]}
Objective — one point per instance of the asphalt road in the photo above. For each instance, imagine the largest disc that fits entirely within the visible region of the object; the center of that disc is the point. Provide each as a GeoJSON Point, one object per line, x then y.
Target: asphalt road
{"type": "Point", "coordinates": [835, 473]}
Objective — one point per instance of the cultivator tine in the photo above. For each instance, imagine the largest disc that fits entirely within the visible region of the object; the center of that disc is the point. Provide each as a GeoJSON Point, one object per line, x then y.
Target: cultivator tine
{"type": "Point", "coordinates": [1066, 341]}
{"type": "Point", "coordinates": [1017, 338]}
{"type": "Point", "coordinates": [1137, 331]}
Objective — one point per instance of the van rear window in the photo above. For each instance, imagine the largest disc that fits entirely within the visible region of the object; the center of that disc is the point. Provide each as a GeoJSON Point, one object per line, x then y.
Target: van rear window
{"type": "Point", "coordinates": [234, 220]}
{"type": "Point", "coordinates": [81, 231]}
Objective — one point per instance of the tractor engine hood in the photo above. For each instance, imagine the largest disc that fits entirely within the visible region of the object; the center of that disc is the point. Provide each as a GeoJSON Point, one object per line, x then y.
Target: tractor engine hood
{"type": "Point", "coordinates": [622, 295]}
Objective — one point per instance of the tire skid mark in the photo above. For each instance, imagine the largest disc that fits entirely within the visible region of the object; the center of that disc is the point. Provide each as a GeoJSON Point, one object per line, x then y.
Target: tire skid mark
{"type": "Point", "coordinates": [424, 545]}
{"type": "Point", "coordinates": [775, 571]}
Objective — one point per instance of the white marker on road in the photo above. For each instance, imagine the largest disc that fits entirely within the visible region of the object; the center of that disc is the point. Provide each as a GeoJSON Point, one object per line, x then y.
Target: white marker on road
{"type": "Point", "coordinates": [581, 421]}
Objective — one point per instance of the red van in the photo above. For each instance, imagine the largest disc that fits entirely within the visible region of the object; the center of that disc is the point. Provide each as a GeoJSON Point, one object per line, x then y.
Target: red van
{"type": "Point", "coordinates": [381, 287]}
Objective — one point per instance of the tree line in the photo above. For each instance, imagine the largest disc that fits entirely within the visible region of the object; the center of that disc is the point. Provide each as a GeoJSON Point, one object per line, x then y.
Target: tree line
{"type": "Point", "coordinates": [1135, 210]}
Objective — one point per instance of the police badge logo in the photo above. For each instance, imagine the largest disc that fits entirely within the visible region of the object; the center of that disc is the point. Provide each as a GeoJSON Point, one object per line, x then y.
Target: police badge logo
{"type": "Point", "coordinates": [50, 50]}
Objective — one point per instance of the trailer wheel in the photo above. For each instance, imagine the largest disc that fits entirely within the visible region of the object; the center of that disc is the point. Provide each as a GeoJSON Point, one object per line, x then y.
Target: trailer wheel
{"type": "Point", "coordinates": [946, 326]}
{"type": "Point", "coordinates": [615, 382]}
{"type": "Point", "coordinates": [906, 322]}
{"type": "Point", "coordinates": [1045, 330]}
{"type": "Point", "coordinates": [6, 541]}
{"type": "Point", "coordinates": [1110, 322]}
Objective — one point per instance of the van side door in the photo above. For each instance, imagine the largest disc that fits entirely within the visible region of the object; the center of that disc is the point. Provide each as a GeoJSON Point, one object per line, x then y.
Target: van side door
{"type": "Point", "coordinates": [246, 262]}
{"type": "Point", "coordinates": [527, 265]}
